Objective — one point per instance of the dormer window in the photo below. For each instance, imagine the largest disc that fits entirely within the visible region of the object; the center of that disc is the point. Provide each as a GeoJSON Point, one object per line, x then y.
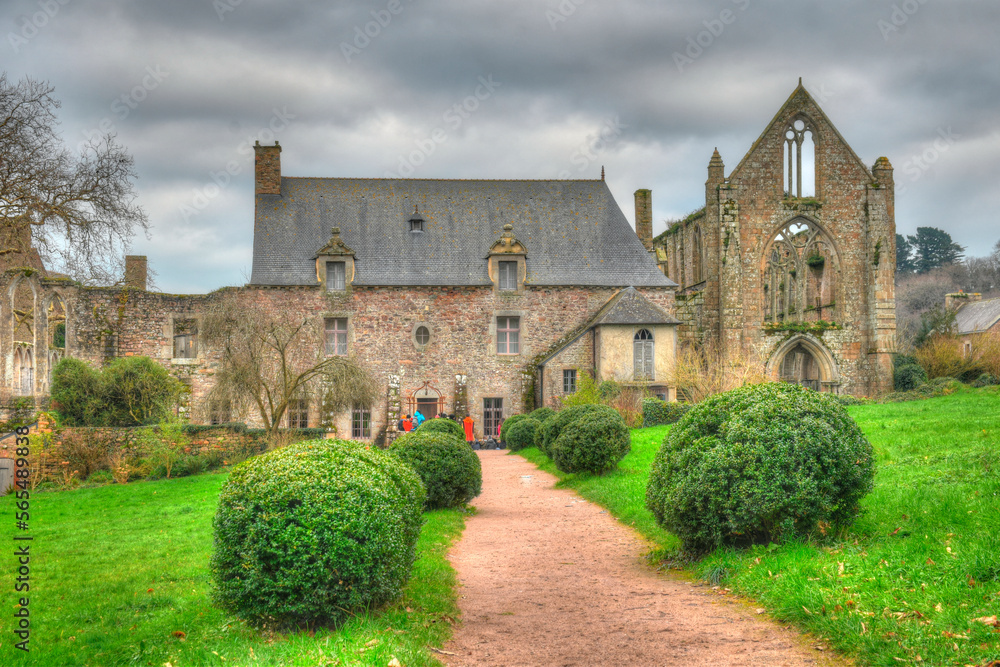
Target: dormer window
{"type": "Point", "coordinates": [336, 276]}
{"type": "Point", "coordinates": [416, 222]}
{"type": "Point", "coordinates": [335, 266]}
{"type": "Point", "coordinates": [506, 265]}
{"type": "Point", "coordinates": [508, 276]}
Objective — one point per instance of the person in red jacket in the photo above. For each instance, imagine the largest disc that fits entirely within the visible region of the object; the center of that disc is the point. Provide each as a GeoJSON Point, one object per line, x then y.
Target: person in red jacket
{"type": "Point", "coordinates": [407, 424]}
{"type": "Point", "coordinates": [467, 425]}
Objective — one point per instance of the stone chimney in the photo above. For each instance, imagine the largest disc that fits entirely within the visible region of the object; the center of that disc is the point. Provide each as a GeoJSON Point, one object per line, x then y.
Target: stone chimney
{"type": "Point", "coordinates": [644, 217]}
{"type": "Point", "coordinates": [267, 169]}
{"type": "Point", "coordinates": [135, 272]}
{"type": "Point", "coordinates": [956, 300]}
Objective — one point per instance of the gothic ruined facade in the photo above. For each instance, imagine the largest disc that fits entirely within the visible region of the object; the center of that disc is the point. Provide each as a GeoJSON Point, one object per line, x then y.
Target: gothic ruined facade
{"type": "Point", "coordinates": [792, 257]}
{"type": "Point", "coordinates": [485, 297]}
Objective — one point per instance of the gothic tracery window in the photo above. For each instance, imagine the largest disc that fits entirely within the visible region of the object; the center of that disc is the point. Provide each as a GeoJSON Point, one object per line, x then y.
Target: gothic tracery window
{"type": "Point", "coordinates": [800, 274]}
{"type": "Point", "coordinates": [800, 159]}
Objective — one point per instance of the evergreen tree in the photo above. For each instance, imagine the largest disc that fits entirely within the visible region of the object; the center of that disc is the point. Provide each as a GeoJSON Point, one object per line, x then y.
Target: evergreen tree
{"type": "Point", "coordinates": [904, 255]}
{"type": "Point", "coordinates": [933, 248]}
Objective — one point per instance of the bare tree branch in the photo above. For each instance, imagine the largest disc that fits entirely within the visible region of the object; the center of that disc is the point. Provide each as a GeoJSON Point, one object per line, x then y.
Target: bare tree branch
{"type": "Point", "coordinates": [78, 211]}
{"type": "Point", "coordinates": [270, 357]}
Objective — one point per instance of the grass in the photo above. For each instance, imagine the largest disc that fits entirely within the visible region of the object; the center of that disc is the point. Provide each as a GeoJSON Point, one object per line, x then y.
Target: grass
{"type": "Point", "coordinates": [907, 581]}
{"type": "Point", "coordinates": [119, 572]}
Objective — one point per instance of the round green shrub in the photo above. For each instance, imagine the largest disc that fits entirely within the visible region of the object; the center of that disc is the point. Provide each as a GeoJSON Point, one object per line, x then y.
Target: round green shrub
{"type": "Point", "coordinates": [450, 470]}
{"type": "Point", "coordinates": [522, 434]}
{"type": "Point", "coordinates": [553, 426]}
{"type": "Point", "coordinates": [595, 443]}
{"type": "Point", "coordinates": [314, 532]}
{"type": "Point", "coordinates": [758, 464]}
{"type": "Point", "coordinates": [656, 412]}
{"type": "Point", "coordinates": [438, 425]}
{"type": "Point", "coordinates": [908, 377]}
{"type": "Point", "coordinates": [541, 414]}
{"type": "Point", "coordinates": [507, 423]}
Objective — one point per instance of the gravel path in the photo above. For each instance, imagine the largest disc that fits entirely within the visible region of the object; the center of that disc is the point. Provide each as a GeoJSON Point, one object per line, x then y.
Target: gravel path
{"type": "Point", "coordinates": [550, 579]}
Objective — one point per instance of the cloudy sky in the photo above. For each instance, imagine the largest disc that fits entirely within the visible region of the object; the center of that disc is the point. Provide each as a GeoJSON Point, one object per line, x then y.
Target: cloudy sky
{"type": "Point", "coordinates": [512, 89]}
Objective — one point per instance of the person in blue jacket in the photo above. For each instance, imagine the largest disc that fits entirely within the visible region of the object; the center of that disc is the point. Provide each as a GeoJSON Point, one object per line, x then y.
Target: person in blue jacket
{"type": "Point", "coordinates": [418, 419]}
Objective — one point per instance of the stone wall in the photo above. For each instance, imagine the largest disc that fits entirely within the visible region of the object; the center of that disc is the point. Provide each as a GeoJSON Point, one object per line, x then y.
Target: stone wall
{"type": "Point", "coordinates": [103, 323]}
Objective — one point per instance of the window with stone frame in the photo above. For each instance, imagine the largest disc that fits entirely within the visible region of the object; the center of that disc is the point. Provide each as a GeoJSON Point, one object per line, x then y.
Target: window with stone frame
{"type": "Point", "coordinates": [361, 423]}
{"type": "Point", "coordinates": [508, 276]}
{"type": "Point", "coordinates": [335, 329]}
{"type": "Point", "coordinates": [508, 335]}
{"type": "Point", "coordinates": [569, 380]}
{"type": "Point", "coordinates": [298, 413]}
{"type": "Point", "coordinates": [336, 276]}
{"type": "Point", "coordinates": [800, 159]}
{"type": "Point", "coordinates": [219, 412]}
{"type": "Point", "coordinates": [642, 355]}
{"type": "Point", "coordinates": [185, 339]}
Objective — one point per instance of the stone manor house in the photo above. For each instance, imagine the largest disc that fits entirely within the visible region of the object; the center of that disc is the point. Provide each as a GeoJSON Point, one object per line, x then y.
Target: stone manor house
{"type": "Point", "coordinates": [494, 296]}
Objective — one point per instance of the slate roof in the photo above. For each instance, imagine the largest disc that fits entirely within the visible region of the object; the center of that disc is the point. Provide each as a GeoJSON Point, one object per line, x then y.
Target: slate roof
{"type": "Point", "coordinates": [574, 232]}
{"type": "Point", "coordinates": [625, 307]}
{"type": "Point", "coordinates": [630, 307]}
{"type": "Point", "coordinates": [977, 317]}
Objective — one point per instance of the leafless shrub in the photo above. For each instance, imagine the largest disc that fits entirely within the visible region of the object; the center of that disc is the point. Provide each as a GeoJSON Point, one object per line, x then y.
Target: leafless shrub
{"type": "Point", "coordinates": [700, 372]}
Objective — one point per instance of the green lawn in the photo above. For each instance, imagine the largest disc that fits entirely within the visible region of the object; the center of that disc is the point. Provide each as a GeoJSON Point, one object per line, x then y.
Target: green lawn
{"type": "Point", "coordinates": [907, 581]}
{"type": "Point", "coordinates": [119, 572]}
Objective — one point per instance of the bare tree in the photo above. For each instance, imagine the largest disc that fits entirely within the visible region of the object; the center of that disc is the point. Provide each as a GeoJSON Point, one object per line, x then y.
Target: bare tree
{"type": "Point", "coordinates": [272, 356]}
{"type": "Point", "coordinates": [78, 211]}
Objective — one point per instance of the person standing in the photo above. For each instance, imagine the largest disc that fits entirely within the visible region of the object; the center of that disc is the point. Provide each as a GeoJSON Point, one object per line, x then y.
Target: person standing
{"type": "Point", "coordinates": [467, 424]}
{"type": "Point", "coordinates": [418, 419]}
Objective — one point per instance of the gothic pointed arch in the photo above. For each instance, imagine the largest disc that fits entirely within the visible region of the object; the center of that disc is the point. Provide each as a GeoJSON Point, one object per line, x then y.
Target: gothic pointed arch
{"type": "Point", "coordinates": [800, 266]}
{"type": "Point", "coordinates": [804, 359]}
{"type": "Point", "coordinates": [800, 150]}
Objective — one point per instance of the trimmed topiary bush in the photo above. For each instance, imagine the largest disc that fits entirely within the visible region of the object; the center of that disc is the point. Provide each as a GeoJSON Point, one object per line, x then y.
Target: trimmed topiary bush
{"type": "Point", "coordinates": [507, 423]}
{"type": "Point", "coordinates": [314, 532]}
{"type": "Point", "coordinates": [438, 425]}
{"type": "Point", "coordinates": [450, 470]}
{"type": "Point", "coordinates": [758, 464]}
{"type": "Point", "coordinates": [541, 414]}
{"type": "Point", "coordinates": [595, 442]}
{"type": "Point", "coordinates": [656, 412]}
{"type": "Point", "coordinates": [908, 377]}
{"type": "Point", "coordinates": [522, 434]}
{"type": "Point", "coordinates": [553, 426]}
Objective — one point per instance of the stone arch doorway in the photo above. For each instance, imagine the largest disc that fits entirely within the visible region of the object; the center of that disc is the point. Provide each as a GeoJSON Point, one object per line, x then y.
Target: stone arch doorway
{"type": "Point", "coordinates": [427, 399]}
{"type": "Point", "coordinates": [806, 361]}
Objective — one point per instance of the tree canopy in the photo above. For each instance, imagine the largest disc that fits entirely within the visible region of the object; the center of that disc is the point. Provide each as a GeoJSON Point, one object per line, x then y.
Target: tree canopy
{"type": "Point", "coordinates": [78, 211]}
{"type": "Point", "coordinates": [928, 249]}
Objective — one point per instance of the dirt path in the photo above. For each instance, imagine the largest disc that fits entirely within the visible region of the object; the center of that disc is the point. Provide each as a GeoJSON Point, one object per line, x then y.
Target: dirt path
{"type": "Point", "coordinates": [550, 579]}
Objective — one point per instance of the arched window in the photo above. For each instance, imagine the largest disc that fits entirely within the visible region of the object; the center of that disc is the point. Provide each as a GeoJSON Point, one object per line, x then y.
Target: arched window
{"type": "Point", "coordinates": [800, 159]}
{"type": "Point", "coordinates": [697, 256]}
{"type": "Point", "coordinates": [642, 355]}
{"type": "Point", "coordinates": [799, 274]}
{"type": "Point", "coordinates": [24, 369]}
